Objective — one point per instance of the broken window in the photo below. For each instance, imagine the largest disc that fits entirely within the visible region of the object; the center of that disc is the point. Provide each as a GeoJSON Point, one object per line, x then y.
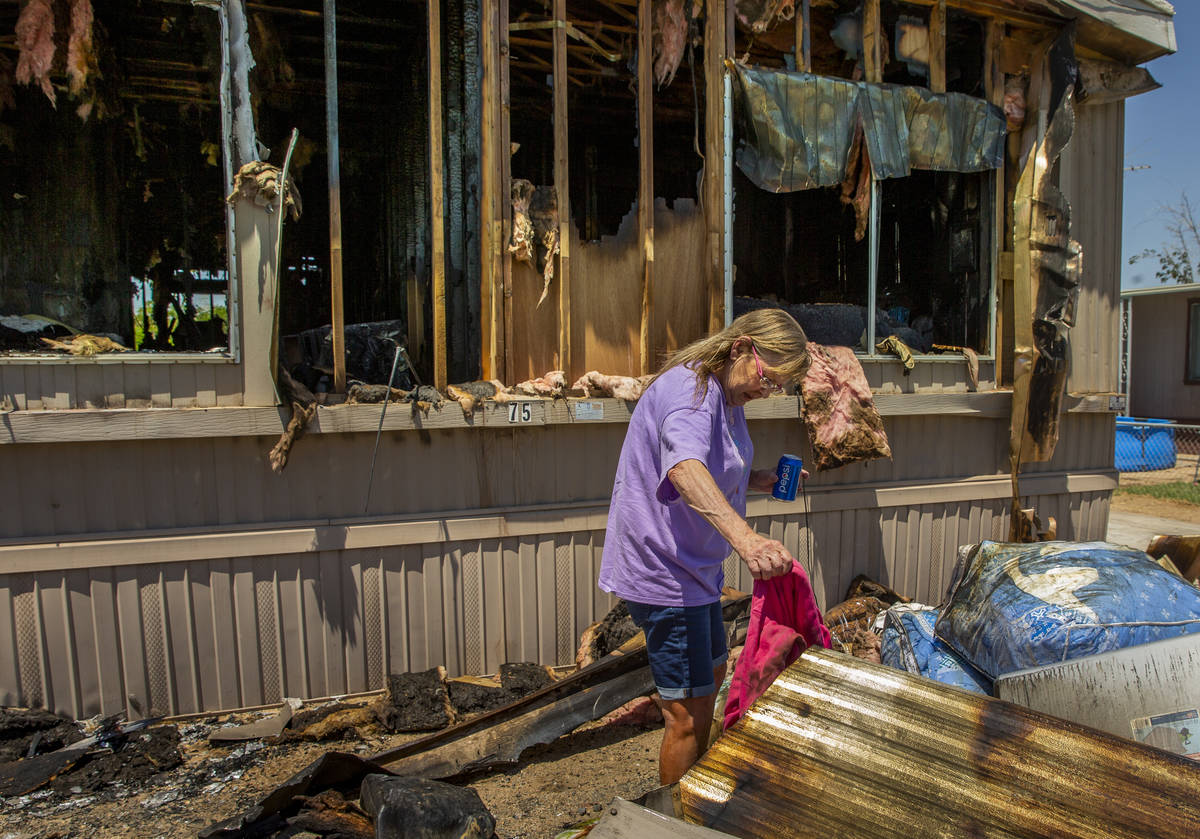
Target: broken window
{"type": "Point", "coordinates": [906, 58]}
{"type": "Point", "coordinates": [867, 210]}
{"type": "Point", "coordinates": [112, 220]}
{"type": "Point", "coordinates": [112, 213]}
{"type": "Point", "coordinates": [383, 89]}
{"type": "Point", "coordinates": [934, 274]}
{"type": "Point", "coordinates": [383, 85]}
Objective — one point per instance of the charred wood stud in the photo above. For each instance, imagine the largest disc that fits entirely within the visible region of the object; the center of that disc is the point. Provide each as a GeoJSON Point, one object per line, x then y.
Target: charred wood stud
{"type": "Point", "coordinates": [338, 327]}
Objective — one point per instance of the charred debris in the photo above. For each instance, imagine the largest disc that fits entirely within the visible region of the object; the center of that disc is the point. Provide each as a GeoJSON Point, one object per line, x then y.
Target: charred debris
{"type": "Point", "coordinates": [50, 764]}
{"type": "Point", "coordinates": [407, 755]}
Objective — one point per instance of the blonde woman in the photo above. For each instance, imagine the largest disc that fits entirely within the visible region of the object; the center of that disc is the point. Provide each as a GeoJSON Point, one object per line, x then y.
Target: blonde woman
{"type": "Point", "coordinates": [679, 505]}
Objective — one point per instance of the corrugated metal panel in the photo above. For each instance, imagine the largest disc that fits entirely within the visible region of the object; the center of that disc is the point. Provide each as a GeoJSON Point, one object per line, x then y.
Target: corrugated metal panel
{"type": "Point", "coordinates": [1091, 176]}
{"type": "Point", "coordinates": [840, 747]}
{"type": "Point", "coordinates": [88, 383]}
{"type": "Point", "coordinates": [193, 636]}
{"type": "Point", "coordinates": [221, 633]}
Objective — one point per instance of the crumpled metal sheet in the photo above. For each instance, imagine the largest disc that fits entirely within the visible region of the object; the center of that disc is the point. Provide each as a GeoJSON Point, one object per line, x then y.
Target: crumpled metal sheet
{"type": "Point", "coordinates": [841, 747]}
{"type": "Point", "coordinates": [799, 127]}
{"type": "Point", "coordinates": [1047, 265]}
{"type": "Point", "coordinates": [953, 132]}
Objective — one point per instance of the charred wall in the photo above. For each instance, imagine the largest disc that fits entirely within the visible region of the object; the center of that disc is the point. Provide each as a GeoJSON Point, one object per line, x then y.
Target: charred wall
{"type": "Point", "coordinates": [383, 101]}
{"type": "Point", "coordinates": [60, 253]}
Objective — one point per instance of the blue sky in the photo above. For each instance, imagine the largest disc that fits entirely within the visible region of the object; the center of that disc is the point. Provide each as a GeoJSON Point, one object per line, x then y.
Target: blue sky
{"type": "Point", "coordinates": [1162, 130]}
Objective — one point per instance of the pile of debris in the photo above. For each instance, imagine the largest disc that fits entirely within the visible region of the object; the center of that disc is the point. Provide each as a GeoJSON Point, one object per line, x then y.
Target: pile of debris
{"type": "Point", "coordinates": [612, 680]}
{"type": "Point", "coordinates": [37, 333]}
{"type": "Point", "coordinates": [43, 750]}
{"type": "Point", "coordinates": [1018, 618]}
{"type": "Point", "coordinates": [1015, 609]}
{"type": "Point", "coordinates": [471, 396]}
{"type": "Point", "coordinates": [1095, 649]}
{"type": "Point", "coordinates": [51, 766]}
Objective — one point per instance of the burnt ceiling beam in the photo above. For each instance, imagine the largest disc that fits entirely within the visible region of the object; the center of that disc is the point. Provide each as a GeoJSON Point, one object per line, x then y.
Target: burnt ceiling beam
{"type": "Point", "coordinates": [369, 46]}
{"type": "Point", "coordinates": [169, 98]}
{"type": "Point", "coordinates": [621, 11]}
{"type": "Point", "coordinates": [575, 71]}
{"type": "Point", "coordinates": [576, 51]}
{"type": "Point", "coordinates": [314, 15]}
{"type": "Point", "coordinates": [344, 64]}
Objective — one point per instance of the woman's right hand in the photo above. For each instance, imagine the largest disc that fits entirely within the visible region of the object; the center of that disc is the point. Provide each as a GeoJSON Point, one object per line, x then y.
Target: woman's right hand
{"type": "Point", "coordinates": [766, 558]}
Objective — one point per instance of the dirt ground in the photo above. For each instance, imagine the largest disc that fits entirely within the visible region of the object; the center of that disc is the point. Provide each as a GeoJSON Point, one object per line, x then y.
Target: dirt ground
{"type": "Point", "coordinates": [1150, 506]}
{"type": "Point", "coordinates": [554, 786]}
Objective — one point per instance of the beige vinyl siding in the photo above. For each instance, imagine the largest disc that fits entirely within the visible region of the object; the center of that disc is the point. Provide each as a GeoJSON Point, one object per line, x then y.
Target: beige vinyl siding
{"type": "Point", "coordinates": [108, 382]}
{"type": "Point", "coordinates": [1091, 176]}
{"type": "Point", "coordinates": [187, 574]}
{"type": "Point", "coordinates": [250, 630]}
{"type": "Point", "coordinates": [98, 489]}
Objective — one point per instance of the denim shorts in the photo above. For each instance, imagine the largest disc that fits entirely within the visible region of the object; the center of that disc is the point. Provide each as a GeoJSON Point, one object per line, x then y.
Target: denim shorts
{"type": "Point", "coordinates": [685, 645]}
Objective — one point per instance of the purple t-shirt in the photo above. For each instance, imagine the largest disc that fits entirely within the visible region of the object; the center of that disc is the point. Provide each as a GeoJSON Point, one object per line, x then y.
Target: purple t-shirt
{"type": "Point", "coordinates": [657, 549]}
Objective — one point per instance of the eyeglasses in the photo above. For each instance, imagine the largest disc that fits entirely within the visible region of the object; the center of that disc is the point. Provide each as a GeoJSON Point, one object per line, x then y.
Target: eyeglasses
{"type": "Point", "coordinates": [768, 385]}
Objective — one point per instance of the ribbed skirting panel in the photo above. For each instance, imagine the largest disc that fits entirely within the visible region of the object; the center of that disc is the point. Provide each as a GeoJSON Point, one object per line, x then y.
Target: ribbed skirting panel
{"type": "Point", "coordinates": [185, 635]}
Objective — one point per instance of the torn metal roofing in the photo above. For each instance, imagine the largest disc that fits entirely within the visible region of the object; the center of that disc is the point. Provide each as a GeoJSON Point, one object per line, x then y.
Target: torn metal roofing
{"type": "Point", "coordinates": [1134, 30]}
{"type": "Point", "coordinates": [841, 747]}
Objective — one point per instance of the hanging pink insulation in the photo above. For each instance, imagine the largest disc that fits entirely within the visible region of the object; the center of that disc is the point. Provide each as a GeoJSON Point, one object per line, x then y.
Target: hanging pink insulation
{"type": "Point", "coordinates": [35, 40]}
{"type": "Point", "coordinates": [760, 15]}
{"type": "Point", "coordinates": [669, 32]}
{"type": "Point", "coordinates": [839, 412]}
{"type": "Point", "coordinates": [81, 57]}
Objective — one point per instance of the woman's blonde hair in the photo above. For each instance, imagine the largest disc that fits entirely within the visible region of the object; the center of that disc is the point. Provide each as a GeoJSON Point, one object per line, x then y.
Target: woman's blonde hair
{"type": "Point", "coordinates": [771, 330]}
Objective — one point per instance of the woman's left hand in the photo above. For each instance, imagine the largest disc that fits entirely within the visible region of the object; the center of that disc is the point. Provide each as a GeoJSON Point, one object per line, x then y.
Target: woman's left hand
{"type": "Point", "coordinates": [763, 480]}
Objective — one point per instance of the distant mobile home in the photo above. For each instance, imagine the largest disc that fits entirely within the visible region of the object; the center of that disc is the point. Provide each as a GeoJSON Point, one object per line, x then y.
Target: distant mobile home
{"type": "Point", "coordinates": [1162, 351]}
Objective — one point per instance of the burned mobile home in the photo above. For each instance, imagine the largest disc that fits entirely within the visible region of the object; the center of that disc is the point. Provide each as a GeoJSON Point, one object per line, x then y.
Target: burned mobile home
{"type": "Point", "coordinates": [543, 200]}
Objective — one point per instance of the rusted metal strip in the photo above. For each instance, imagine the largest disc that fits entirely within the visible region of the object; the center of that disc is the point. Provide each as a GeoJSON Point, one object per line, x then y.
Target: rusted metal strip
{"type": "Point", "coordinates": [1047, 266]}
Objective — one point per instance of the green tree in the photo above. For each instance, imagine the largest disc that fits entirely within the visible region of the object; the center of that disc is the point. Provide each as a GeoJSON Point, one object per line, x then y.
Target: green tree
{"type": "Point", "coordinates": [1179, 256]}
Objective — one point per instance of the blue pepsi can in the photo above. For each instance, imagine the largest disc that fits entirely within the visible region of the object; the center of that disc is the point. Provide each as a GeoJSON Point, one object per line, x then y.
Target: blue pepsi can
{"type": "Point", "coordinates": [787, 479]}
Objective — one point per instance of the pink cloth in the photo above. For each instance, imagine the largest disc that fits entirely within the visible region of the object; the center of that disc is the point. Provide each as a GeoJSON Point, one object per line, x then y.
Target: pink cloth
{"type": "Point", "coordinates": [784, 622]}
